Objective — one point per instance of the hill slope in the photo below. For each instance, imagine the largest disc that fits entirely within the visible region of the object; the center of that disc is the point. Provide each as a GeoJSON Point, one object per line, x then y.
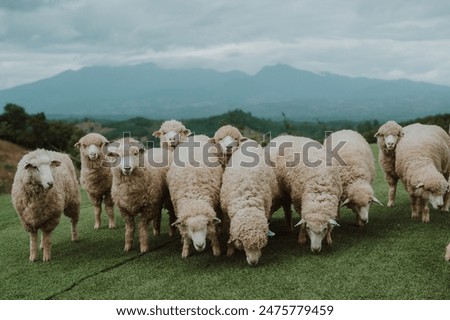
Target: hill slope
{"type": "Point", "coordinates": [10, 155]}
{"type": "Point", "coordinates": [150, 91]}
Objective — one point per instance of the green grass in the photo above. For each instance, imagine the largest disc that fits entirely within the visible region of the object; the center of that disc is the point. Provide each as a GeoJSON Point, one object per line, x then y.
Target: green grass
{"type": "Point", "coordinates": [393, 257]}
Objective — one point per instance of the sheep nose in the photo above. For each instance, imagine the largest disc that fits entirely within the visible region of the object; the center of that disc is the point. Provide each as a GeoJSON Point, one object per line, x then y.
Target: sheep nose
{"type": "Point", "coordinates": [200, 247]}
{"type": "Point", "coordinates": [50, 184]}
{"type": "Point", "coordinates": [253, 262]}
{"type": "Point", "coordinates": [315, 250]}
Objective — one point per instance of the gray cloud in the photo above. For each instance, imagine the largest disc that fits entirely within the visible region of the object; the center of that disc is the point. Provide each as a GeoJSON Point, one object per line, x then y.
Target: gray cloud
{"type": "Point", "coordinates": [385, 39]}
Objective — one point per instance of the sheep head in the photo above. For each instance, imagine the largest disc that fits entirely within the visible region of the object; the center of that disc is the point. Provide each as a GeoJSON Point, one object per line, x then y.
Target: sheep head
{"type": "Point", "coordinates": [91, 146]}
{"type": "Point", "coordinates": [197, 228]}
{"type": "Point", "coordinates": [128, 154]}
{"type": "Point", "coordinates": [432, 189]}
{"type": "Point", "coordinates": [359, 197]}
{"type": "Point", "coordinates": [172, 133]}
{"type": "Point", "coordinates": [229, 139]}
{"type": "Point", "coordinates": [39, 171]}
{"type": "Point", "coordinates": [388, 135]}
{"type": "Point", "coordinates": [317, 227]}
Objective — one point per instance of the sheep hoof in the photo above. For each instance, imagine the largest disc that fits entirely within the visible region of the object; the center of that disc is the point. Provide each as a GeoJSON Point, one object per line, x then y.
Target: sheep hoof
{"type": "Point", "coordinates": [46, 258]}
{"type": "Point", "coordinates": [216, 252]}
{"type": "Point", "coordinates": [127, 248]}
{"type": "Point", "coordinates": [184, 255]}
{"type": "Point", "coordinates": [425, 219]}
{"type": "Point", "coordinates": [156, 232]}
{"type": "Point", "coordinates": [112, 225]}
{"type": "Point", "coordinates": [96, 226]}
{"type": "Point", "coordinates": [144, 249]}
{"type": "Point", "coordinates": [391, 203]}
{"type": "Point", "coordinates": [415, 216]}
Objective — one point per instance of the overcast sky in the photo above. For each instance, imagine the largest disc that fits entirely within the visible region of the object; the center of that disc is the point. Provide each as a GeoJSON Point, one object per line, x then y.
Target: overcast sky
{"type": "Point", "coordinates": [386, 39]}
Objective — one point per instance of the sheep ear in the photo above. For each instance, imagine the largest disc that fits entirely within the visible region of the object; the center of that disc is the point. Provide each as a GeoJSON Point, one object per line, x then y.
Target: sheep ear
{"type": "Point", "coordinates": [376, 134]}
{"type": "Point", "coordinates": [419, 185]}
{"type": "Point", "coordinates": [176, 223]}
{"type": "Point", "coordinates": [217, 220]}
{"type": "Point", "coordinates": [333, 223]}
{"type": "Point", "coordinates": [301, 222]}
{"type": "Point", "coordinates": [187, 132]}
{"type": "Point", "coordinates": [212, 140]}
{"type": "Point", "coordinates": [28, 165]}
{"type": "Point", "coordinates": [55, 163]}
{"type": "Point", "coordinates": [376, 201]}
{"type": "Point", "coordinates": [77, 145]}
{"type": "Point", "coordinates": [401, 134]}
{"type": "Point", "coordinates": [270, 234]}
{"type": "Point", "coordinates": [243, 139]}
{"type": "Point", "coordinates": [346, 201]}
{"type": "Point", "coordinates": [156, 133]}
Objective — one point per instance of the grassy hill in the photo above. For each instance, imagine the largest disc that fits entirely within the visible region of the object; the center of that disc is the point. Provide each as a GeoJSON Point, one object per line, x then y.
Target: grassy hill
{"type": "Point", "coordinates": [10, 154]}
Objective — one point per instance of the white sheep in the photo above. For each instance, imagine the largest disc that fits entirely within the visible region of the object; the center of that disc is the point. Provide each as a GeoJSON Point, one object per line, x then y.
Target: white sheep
{"type": "Point", "coordinates": [447, 253]}
{"type": "Point", "coordinates": [388, 136]}
{"type": "Point", "coordinates": [423, 165]}
{"type": "Point", "coordinates": [356, 166]}
{"type": "Point", "coordinates": [45, 185]}
{"type": "Point", "coordinates": [194, 180]}
{"type": "Point", "coordinates": [313, 186]}
{"type": "Point", "coordinates": [96, 178]}
{"type": "Point", "coordinates": [172, 133]}
{"type": "Point", "coordinates": [138, 189]}
{"type": "Point", "coordinates": [248, 187]}
{"type": "Point", "coordinates": [229, 139]}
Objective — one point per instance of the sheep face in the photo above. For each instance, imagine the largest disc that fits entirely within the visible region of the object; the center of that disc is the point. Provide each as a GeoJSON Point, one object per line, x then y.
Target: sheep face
{"type": "Point", "coordinates": [317, 230]}
{"type": "Point", "coordinates": [388, 135]}
{"type": "Point", "coordinates": [91, 146]}
{"type": "Point", "coordinates": [433, 193]}
{"type": "Point", "coordinates": [128, 155]}
{"type": "Point", "coordinates": [197, 229]}
{"type": "Point", "coordinates": [359, 199]}
{"type": "Point", "coordinates": [40, 171]}
{"type": "Point", "coordinates": [172, 133]}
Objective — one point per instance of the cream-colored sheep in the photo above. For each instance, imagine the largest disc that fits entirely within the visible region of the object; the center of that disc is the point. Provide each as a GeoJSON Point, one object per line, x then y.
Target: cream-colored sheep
{"type": "Point", "coordinates": [194, 180]}
{"type": "Point", "coordinates": [313, 186]}
{"type": "Point", "coordinates": [388, 136]}
{"type": "Point", "coordinates": [248, 187]}
{"type": "Point", "coordinates": [95, 177]}
{"type": "Point", "coordinates": [423, 165]}
{"type": "Point", "coordinates": [45, 185]}
{"type": "Point", "coordinates": [356, 166]}
{"type": "Point", "coordinates": [229, 139]}
{"type": "Point", "coordinates": [447, 253]}
{"type": "Point", "coordinates": [138, 189]}
{"type": "Point", "coordinates": [172, 133]}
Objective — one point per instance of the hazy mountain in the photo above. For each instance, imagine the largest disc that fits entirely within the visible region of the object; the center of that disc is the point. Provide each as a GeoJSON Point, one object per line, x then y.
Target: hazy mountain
{"type": "Point", "coordinates": [151, 91]}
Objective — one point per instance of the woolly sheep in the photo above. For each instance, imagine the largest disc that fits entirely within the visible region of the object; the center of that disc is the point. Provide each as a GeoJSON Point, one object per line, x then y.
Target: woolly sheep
{"type": "Point", "coordinates": [423, 165]}
{"type": "Point", "coordinates": [137, 189]}
{"type": "Point", "coordinates": [95, 177]}
{"type": "Point", "coordinates": [45, 185]}
{"type": "Point", "coordinates": [356, 169]}
{"type": "Point", "coordinates": [388, 136]}
{"type": "Point", "coordinates": [194, 186]}
{"type": "Point", "coordinates": [447, 253]}
{"type": "Point", "coordinates": [313, 186]}
{"type": "Point", "coordinates": [229, 139]}
{"type": "Point", "coordinates": [172, 133]}
{"type": "Point", "coordinates": [248, 187]}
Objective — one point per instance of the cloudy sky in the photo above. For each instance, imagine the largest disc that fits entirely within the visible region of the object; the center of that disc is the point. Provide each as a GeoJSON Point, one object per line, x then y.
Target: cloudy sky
{"type": "Point", "coordinates": [386, 39]}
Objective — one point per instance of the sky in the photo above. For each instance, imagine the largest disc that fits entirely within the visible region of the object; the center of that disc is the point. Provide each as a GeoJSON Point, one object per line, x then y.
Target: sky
{"type": "Point", "coordinates": [386, 39]}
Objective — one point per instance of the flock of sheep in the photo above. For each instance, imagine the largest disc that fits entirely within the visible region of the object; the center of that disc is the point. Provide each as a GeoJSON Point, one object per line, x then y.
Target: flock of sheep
{"type": "Point", "coordinates": [230, 184]}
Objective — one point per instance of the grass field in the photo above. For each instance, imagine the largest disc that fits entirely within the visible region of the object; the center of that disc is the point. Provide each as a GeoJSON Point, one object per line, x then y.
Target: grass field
{"type": "Point", "coordinates": [392, 257]}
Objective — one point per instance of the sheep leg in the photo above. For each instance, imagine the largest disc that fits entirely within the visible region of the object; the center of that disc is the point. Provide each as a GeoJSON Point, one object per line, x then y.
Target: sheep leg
{"type": "Point", "coordinates": [129, 232]}
{"type": "Point", "coordinates": [359, 223]}
{"type": "Point", "coordinates": [33, 246]}
{"type": "Point", "coordinates": [446, 206]}
{"type": "Point", "coordinates": [172, 217]}
{"type": "Point", "coordinates": [392, 182]}
{"type": "Point", "coordinates": [74, 232]}
{"type": "Point", "coordinates": [73, 212]}
{"type": "Point", "coordinates": [328, 237]}
{"type": "Point", "coordinates": [156, 222]}
{"type": "Point", "coordinates": [414, 207]}
{"type": "Point", "coordinates": [186, 243]}
{"type": "Point", "coordinates": [47, 245]}
{"type": "Point", "coordinates": [97, 203]}
{"type": "Point", "coordinates": [288, 216]}
{"type": "Point", "coordinates": [215, 244]}
{"type": "Point", "coordinates": [143, 234]}
{"type": "Point", "coordinates": [423, 206]}
{"type": "Point", "coordinates": [302, 236]}
{"type": "Point", "coordinates": [230, 249]}
{"type": "Point", "coordinates": [109, 206]}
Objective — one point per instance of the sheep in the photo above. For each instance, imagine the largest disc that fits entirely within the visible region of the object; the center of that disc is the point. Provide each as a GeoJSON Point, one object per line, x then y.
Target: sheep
{"type": "Point", "coordinates": [356, 171]}
{"type": "Point", "coordinates": [447, 253]}
{"type": "Point", "coordinates": [229, 139]}
{"type": "Point", "coordinates": [388, 136]}
{"type": "Point", "coordinates": [423, 165]}
{"type": "Point", "coordinates": [96, 178]}
{"type": "Point", "coordinates": [313, 186]}
{"type": "Point", "coordinates": [194, 180]}
{"type": "Point", "coordinates": [138, 188]}
{"type": "Point", "coordinates": [248, 187]}
{"type": "Point", "coordinates": [45, 185]}
{"type": "Point", "coordinates": [172, 133]}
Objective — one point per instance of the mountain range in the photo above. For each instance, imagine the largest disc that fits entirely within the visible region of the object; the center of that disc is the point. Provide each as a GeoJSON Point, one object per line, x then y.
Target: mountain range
{"type": "Point", "coordinates": [158, 93]}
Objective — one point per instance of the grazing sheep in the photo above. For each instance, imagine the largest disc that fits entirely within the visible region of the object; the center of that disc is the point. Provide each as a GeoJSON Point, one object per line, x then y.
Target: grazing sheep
{"type": "Point", "coordinates": [45, 185]}
{"type": "Point", "coordinates": [172, 133]}
{"type": "Point", "coordinates": [248, 187]}
{"type": "Point", "coordinates": [356, 172]}
{"type": "Point", "coordinates": [388, 136]}
{"type": "Point", "coordinates": [229, 139]}
{"type": "Point", "coordinates": [194, 182]}
{"type": "Point", "coordinates": [313, 186]}
{"type": "Point", "coordinates": [95, 177]}
{"type": "Point", "coordinates": [447, 253]}
{"type": "Point", "coordinates": [137, 189]}
{"type": "Point", "coordinates": [423, 165]}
